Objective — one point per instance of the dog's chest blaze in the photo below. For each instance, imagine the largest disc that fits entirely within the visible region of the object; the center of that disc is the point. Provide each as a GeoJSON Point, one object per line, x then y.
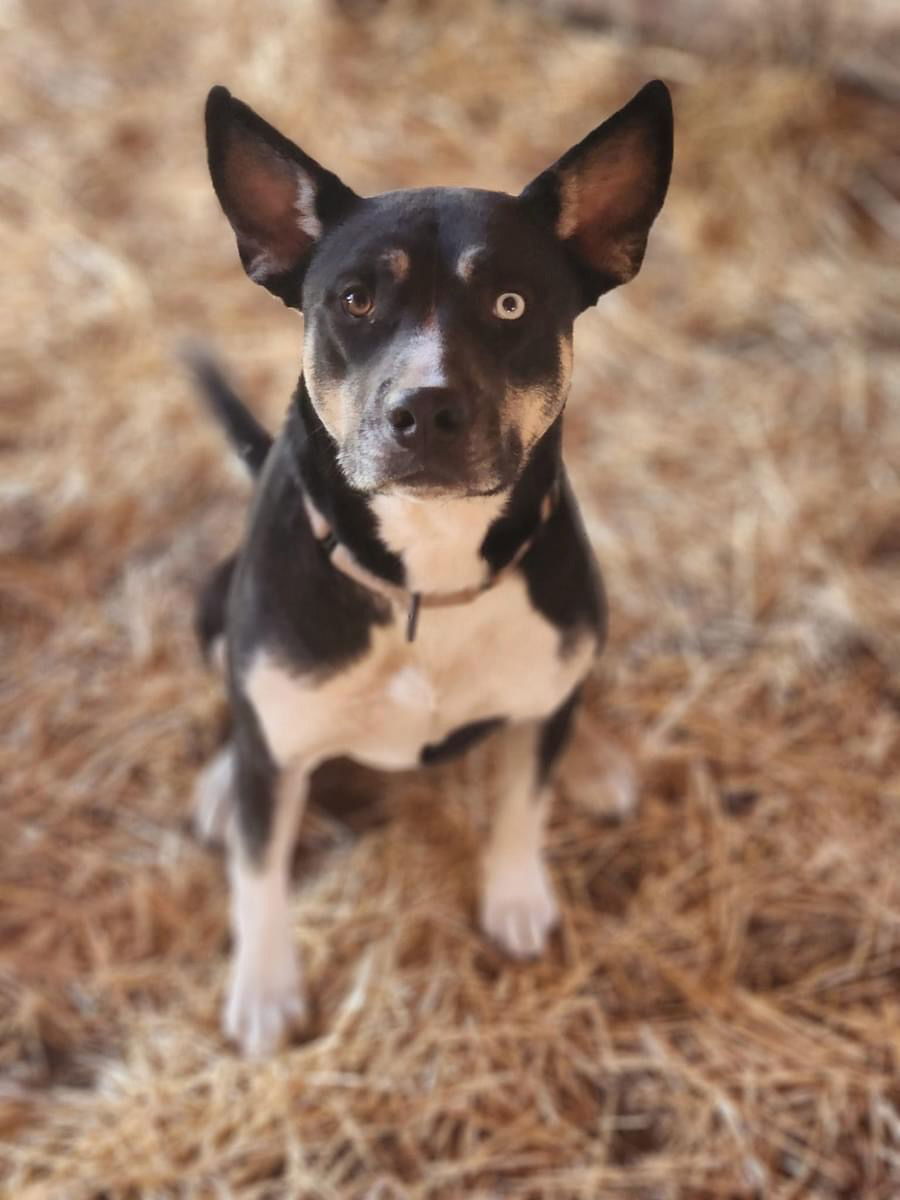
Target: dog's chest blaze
{"type": "Point", "coordinates": [495, 657]}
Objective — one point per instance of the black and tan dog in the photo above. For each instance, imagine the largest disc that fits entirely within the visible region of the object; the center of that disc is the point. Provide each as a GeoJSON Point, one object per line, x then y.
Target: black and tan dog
{"type": "Point", "coordinates": [414, 573]}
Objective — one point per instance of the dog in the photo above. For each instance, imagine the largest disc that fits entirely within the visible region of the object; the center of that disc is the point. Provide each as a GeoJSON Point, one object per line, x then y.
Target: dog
{"type": "Point", "coordinates": [414, 575]}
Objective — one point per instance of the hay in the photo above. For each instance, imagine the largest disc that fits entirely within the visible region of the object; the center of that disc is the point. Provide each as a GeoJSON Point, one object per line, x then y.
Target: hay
{"type": "Point", "coordinates": [720, 1014]}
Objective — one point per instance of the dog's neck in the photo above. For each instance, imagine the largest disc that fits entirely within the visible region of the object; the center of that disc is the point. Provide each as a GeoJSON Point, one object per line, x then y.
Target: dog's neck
{"type": "Point", "coordinates": [430, 546]}
{"type": "Point", "coordinates": [438, 540]}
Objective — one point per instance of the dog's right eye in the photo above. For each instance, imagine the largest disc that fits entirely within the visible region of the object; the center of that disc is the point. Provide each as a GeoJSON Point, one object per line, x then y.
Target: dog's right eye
{"type": "Point", "coordinates": [357, 301]}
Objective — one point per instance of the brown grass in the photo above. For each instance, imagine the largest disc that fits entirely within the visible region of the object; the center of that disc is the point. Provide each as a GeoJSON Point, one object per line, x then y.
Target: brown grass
{"type": "Point", "coordinates": [720, 1016]}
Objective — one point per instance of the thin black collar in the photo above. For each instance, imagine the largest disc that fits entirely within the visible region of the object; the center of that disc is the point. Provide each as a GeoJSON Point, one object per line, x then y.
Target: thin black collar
{"type": "Point", "coordinates": [343, 559]}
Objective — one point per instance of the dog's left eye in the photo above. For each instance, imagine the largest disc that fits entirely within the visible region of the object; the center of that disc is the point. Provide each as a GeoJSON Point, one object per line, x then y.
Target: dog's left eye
{"type": "Point", "coordinates": [509, 306]}
{"type": "Point", "coordinates": [357, 301]}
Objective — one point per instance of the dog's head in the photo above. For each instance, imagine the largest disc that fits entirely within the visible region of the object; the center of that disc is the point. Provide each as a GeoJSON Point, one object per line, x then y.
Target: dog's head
{"type": "Point", "coordinates": [438, 321]}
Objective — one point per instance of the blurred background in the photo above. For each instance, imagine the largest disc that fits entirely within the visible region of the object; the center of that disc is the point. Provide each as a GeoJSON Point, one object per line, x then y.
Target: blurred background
{"type": "Point", "coordinates": [720, 1013]}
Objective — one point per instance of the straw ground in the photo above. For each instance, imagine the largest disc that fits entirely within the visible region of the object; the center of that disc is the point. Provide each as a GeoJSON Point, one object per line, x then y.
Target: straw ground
{"type": "Point", "coordinates": [720, 1013]}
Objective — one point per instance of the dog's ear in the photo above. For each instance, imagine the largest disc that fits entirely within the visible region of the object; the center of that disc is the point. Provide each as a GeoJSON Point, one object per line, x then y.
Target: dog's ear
{"type": "Point", "coordinates": [603, 195]}
{"type": "Point", "coordinates": [279, 200]}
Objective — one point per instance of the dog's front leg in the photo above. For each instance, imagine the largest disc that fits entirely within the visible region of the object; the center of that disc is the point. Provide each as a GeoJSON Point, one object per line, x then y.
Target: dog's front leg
{"type": "Point", "coordinates": [518, 906]}
{"type": "Point", "coordinates": [265, 997]}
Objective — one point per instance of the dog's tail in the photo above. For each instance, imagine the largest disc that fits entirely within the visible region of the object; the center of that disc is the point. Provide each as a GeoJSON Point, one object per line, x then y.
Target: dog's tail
{"type": "Point", "coordinates": [252, 444]}
{"type": "Point", "coordinates": [242, 429]}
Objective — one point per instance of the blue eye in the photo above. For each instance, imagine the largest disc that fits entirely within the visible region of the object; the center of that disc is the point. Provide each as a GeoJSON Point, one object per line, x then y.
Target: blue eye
{"type": "Point", "coordinates": [509, 306]}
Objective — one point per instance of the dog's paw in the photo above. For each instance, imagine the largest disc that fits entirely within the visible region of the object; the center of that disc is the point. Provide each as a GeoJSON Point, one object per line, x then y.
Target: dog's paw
{"type": "Point", "coordinates": [214, 799]}
{"type": "Point", "coordinates": [518, 909]}
{"type": "Point", "coordinates": [265, 1001]}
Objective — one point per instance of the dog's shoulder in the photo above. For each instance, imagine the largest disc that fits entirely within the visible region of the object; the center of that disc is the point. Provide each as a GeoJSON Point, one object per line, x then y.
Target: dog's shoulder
{"type": "Point", "coordinates": [285, 591]}
{"type": "Point", "coordinates": [563, 577]}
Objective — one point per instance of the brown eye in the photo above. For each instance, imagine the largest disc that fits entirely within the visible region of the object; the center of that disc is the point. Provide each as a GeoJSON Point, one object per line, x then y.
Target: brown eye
{"type": "Point", "coordinates": [509, 306]}
{"type": "Point", "coordinates": [357, 301]}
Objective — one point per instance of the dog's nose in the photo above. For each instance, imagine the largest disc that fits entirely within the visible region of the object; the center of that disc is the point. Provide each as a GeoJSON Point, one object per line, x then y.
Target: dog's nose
{"type": "Point", "coordinates": [424, 415]}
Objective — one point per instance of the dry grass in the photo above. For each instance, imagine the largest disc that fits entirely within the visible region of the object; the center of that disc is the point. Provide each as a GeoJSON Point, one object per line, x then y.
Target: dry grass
{"type": "Point", "coordinates": [720, 1016]}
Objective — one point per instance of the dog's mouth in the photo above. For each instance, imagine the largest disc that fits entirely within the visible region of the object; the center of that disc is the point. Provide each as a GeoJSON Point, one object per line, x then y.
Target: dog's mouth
{"type": "Point", "coordinates": [470, 467]}
{"type": "Point", "coordinates": [425, 485]}
{"type": "Point", "coordinates": [454, 476]}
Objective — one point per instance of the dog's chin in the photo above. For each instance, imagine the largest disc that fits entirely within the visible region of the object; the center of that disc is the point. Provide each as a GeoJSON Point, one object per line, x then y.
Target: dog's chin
{"type": "Point", "coordinates": [426, 485]}
{"type": "Point", "coordinates": [386, 471]}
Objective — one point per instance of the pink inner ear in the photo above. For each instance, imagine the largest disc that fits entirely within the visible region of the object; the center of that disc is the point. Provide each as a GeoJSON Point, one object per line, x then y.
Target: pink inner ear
{"type": "Point", "coordinates": [604, 203]}
{"type": "Point", "coordinates": [268, 197]}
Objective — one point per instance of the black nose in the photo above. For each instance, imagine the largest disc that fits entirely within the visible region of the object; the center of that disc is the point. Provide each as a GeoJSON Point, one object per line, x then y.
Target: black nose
{"type": "Point", "coordinates": [425, 415]}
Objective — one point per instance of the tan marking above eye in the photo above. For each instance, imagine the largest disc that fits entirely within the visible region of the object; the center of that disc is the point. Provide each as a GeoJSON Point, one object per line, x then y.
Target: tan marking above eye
{"type": "Point", "coordinates": [465, 264]}
{"type": "Point", "coordinates": [397, 263]}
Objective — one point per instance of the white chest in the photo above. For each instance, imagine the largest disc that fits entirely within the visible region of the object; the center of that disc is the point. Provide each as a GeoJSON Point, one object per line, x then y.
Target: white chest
{"type": "Point", "coordinates": [493, 657]}
{"type": "Point", "coordinates": [438, 540]}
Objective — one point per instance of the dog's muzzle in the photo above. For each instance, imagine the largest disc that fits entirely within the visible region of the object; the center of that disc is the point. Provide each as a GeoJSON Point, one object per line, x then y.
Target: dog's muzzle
{"type": "Point", "coordinates": [429, 419]}
{"type": "Point", "coordinates": [429, 438]}
{"type": "Point", "coordinates": [427, 431]}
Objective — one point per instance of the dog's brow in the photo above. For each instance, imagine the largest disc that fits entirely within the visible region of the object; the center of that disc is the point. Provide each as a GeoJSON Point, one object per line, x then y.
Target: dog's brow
{"type": "Point", "coordinates": [397, 263]}
{"type": "Point", "coordinates": [466, 262]}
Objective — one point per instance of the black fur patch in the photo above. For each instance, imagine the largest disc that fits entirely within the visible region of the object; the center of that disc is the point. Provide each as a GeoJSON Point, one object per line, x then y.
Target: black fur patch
{"type": "Point", "coordinates": [286, 594]}
{"type": "Point", "coordinates": [212, 604]}
{"type": "Point", "coordinates": [242, 429]}
{"type": "Point", "coordinates": [555, 734]}
{"type": "Point", "coordinates": [564, 581]}
{"type": "Point", "coordinates": [459, 740]}
{"type": "Point", "coordinates": [312, 456]}
{"type": "Point", "coordinates": [255, 778]}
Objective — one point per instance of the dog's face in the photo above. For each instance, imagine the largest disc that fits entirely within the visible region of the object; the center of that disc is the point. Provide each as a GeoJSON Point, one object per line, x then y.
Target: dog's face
{"type": "Point", "coordinates": [437, 344]}
{"type": "Point", "coordinates": [438, 322]}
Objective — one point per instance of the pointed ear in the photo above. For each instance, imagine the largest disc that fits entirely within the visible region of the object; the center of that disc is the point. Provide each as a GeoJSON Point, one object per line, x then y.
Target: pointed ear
{"type": "Point", "coordinates": [279, 201]}
{"type": "Point", "coordinates": [603, 195]}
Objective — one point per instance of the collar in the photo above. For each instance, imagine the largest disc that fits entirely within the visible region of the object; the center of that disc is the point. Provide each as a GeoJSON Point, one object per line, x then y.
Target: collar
{"type": "Point", "coordinates": [343, 559]}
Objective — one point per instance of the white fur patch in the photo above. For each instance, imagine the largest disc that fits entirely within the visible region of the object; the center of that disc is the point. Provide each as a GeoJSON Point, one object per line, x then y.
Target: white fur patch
{"type": "Point", "coordinates": [438, 539]}
{"type": "Point", "coordinates": [265, 997]}
{"type": "Point", "coordinates": [214, 798]}
{"type": "Point", "coordinates": [410, 687]}
{"type": "Point", "coordinates": [218, 654]}
{"type": "Point", "coordinates": [518, 908]}
{"type": "Point", "coordinates": [420, 362]}
{"type": "Point", "coordinates": [264, 265]}
{"type": "Point", "coordinates": [305, 205]}
{"type": "Point", "coordinates": [495, 656]}
{"type": "Point", "coordinates": [465, 264]}
{"type": "Point", "coordinates": [267, 261]}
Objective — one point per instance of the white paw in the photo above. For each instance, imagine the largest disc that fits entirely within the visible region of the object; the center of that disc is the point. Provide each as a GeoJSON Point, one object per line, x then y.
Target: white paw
{"type": "Point", "coordinates": [214, 799]}
{"type": "Point", "coordinates": [265, 1001]}
{"type": "Point", "coordinates": [518, 908]}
